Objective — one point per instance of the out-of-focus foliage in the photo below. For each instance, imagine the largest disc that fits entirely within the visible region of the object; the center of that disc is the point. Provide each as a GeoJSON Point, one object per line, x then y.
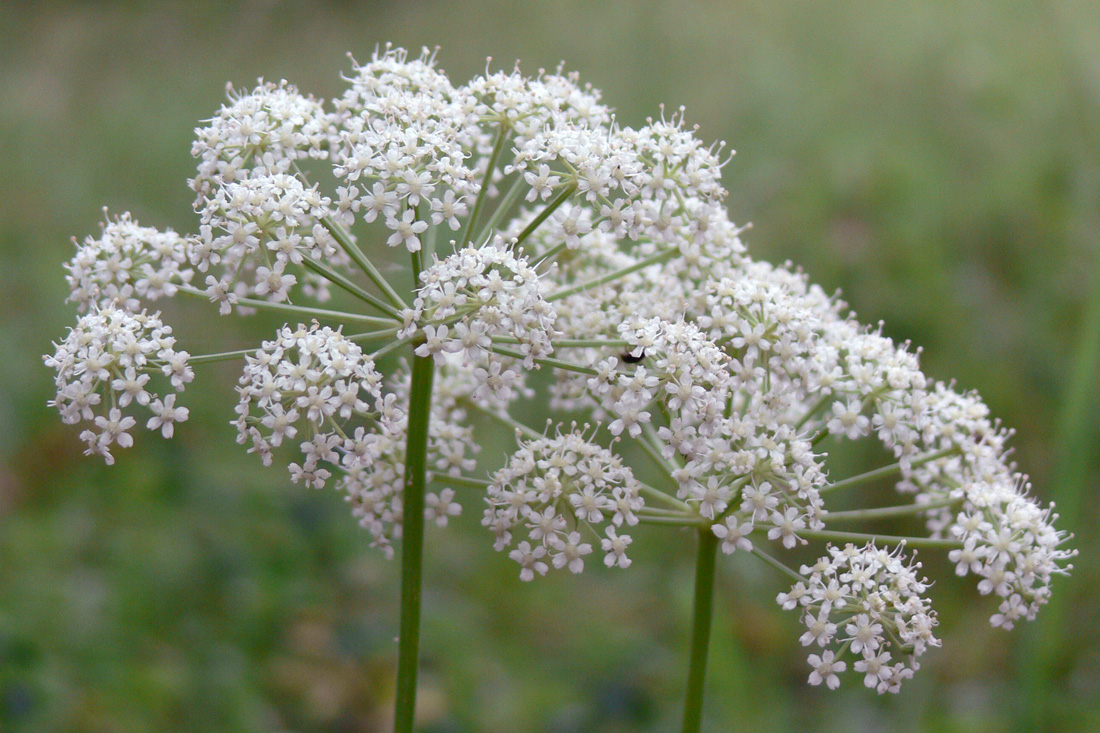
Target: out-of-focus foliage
{"type": "Point", "coordinates": [938, 161]}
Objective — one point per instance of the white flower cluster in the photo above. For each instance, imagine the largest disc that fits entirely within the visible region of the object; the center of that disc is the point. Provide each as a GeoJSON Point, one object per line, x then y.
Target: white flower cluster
{"type": "Point", "coordinates": [656, 185]}
{"type": "Point", "coordinates": [1010, 542]}
{"type": "Point", "coordinates": [313, 384]}
{"type": "Point", "coordinates": [105, 364]}
{"type": "Point", "coordinates": [260, 133]}
{"type": "Point", "coordinates": [405, 136]}
{"type": "Point", "coordinates": [476, 295]}
{"type": "Point", "coordinates": [866, 601]}
{"type": "Point", "coordinates": [254, 229]}
{"type": "Point", "coordinates": [731, 466]}
{"type": "Point", "coordinates": [556, 491]}
{"type": "Point", "coordinates": [125, 263]}
{"type": "Point", "coordinates": [604, 246]}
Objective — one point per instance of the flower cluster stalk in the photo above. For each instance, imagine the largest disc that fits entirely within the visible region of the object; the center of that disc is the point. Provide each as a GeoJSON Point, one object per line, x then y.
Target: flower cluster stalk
{"type": "Point", "coordinates": [701, 623]}
{"type": "Point", "coordinates": [412, 547]}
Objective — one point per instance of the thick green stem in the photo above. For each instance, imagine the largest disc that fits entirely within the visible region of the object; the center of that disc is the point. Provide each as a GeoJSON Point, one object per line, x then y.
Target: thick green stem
{"type": "Point", "coordinates": [412, 541]}
{"type": "Point", "coordinates": [700, 629]}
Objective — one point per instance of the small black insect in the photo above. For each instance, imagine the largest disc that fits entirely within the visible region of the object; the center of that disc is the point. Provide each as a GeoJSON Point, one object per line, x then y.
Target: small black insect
{"type": "Point", "coordinates": [629, 358]}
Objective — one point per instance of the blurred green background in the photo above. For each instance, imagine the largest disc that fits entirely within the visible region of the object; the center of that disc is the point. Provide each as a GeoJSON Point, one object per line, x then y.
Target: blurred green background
{"type": "Point", "coordinates": [938, 161]}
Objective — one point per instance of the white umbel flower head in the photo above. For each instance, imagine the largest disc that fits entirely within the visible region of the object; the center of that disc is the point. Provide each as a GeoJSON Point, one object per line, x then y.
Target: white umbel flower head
{"type": "Point", "coordinates": [553, 487]}
{"type": "Point", "coordinates": [128, 262]}
{"type": "Point", "coordinates": [262, 132]}
{"type": "Point", "coordinates": [867, 602]}
{"type": "Point", "coordinates": [311, 385]}
{"type": "Point", "coordinates": [105, 365]}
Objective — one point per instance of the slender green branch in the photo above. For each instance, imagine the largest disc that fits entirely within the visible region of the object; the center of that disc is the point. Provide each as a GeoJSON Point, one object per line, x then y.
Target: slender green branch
{"type": "Point", "coordinates": [551, 253]}
{"type": "Point", "coordinates": [223, 356]}
{"type": "Point", "coordinates": [886, 471]}
{"type": "Point", "coordinates": [883, 539]}
{"type": "Point", "coordinates": [887, 512]}
{"type": "Point", "coordinates": [661, 496]}
{"type": "Point", "coordinates": [463, 482]}
{"type": "Point", "coordinates": [412, 541]}
{"type": "Point", "coordinates": [656, 259]}
{"type": "Point", "coordinates": [735, 487]}
{"type": "Point", "coordinates": [373, 335]}
{"type": "Point", "coordinates": [651, 511]}
{"type": "Point", "coordinates": [650, 443]}
{"type": "Point", "coordinates": [483, 193]}
{"type": "Point", "coordinates": [701, 623]}
{"type": "Point", "coordinates": [675, 521]}
{"type": "Point", "coordinates": [529, 433]}
{"type": "Point", "coordinates": [566, 192]}
{"type": "Point", "coordinates": [502, 208]}
{"type": "Point", "coordinates": [554, 363]}
{"type": "Point", "coordinates": [392, 346]}
{"type": "Point", "coordinates": [781, 567]}
{"type": "Point", "coordinates": [428, 242]}
{"type": "Point", "coordinates": [348, 244]}
{"type": "Point", "coordinates": [597, 343]}
{"type": "Point", "coordinates": [298, 310]}
{"type": "Point", "coordinates": [338, 279]}
{"type": "Point", "coordinates": [813, 410]}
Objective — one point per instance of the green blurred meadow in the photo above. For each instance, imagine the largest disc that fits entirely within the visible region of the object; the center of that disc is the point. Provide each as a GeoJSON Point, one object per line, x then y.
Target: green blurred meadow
{"type": "Point", "coordinates": [939, 162]}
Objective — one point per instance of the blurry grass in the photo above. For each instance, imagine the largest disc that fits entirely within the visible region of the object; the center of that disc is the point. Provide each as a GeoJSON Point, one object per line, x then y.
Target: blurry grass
{"type": "Point", "coordinates": [937, 161]}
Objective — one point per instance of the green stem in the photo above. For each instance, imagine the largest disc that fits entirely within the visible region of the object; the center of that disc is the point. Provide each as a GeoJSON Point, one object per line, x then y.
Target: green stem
{"type": "Point", "coordinates": [375, 335]}
{"type": "Point", "coordinates": [887, 471]}
{"type": "Point", "coordinates": [391, 346]}
{"type": "Point", "coordinates": [502, 208]}
{"type": "Point", "coordinates": [344, 240]}
{"type": "Point", "coordinates": [338, 279]}
{"type": "Point", "coordinates": [650, 443]}
{"type": "Point", "coordinates": [883, 539]}
{"type": "Point", "coordinates": [700, 629]}
{"type": "Point", "coordinates": [223, 356]}
{"type": "Point", "coordinates": [553, 363]}
{"type": "Point", "coordinates": [483, 192]}
{"type": "Point", "coordinates": [675, 521]}
{"type": "Point", "coordinates": [545, 213]}
{"type": "Point", "coordinates": [417, 265]}
{"type": "Point", "coordinates": [657, 494]}
{"type": "Point", "coordinates": [596, 343]}
{"type": "Point", "coordinates": [769, 560]}
{"type": "Point", "coordinates": [412, 540]}
{"type": "Point", "coordinates": [296, 309]}
{"type": "Point", "coordinates": [550, 254]}
{"type": "Point", "coordinates": [887, 512]}
{"type": "Point", "coordinates": [656, 259]}
{"type": "Point", "coordinates": [813, 410]}
{"type": "Point", "coordinates": [462, 482]}
{"type": "Point", "coordinates": [529, 433]}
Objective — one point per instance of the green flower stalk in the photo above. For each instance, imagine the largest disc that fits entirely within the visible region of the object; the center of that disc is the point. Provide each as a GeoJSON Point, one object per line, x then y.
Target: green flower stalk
{"type": "Point", "coordinates": [542, 234]}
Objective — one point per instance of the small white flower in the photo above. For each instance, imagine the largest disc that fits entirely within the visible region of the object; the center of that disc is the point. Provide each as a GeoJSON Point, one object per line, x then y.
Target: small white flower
{"type": "Point", "coordinates": [166, 415]}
